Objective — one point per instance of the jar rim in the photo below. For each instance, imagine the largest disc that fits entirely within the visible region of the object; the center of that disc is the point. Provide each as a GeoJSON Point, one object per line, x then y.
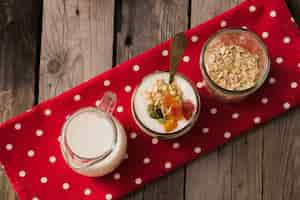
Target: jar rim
{"type": "Point", "coordinates": [261, 44]}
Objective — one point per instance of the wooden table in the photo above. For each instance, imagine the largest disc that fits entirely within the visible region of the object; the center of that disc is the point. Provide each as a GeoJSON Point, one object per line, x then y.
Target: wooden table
{"type": "Point", "coordinates": [81, 38]}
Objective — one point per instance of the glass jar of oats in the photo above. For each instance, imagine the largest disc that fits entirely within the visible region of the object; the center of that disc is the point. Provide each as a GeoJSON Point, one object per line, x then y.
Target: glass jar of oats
{"type": "Point", "coordinates": [234, 64]}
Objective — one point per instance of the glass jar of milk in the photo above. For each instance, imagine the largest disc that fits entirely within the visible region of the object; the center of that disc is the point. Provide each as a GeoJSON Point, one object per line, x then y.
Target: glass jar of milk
{"type": "Point", "coordinates": [93, 142]}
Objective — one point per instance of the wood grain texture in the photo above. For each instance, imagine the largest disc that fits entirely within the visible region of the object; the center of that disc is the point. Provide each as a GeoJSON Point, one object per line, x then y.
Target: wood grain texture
{"type": "Point", "coordinates": [143, 25]}
{"type": "Point", "coordinates": [281, 158]}
{"type": "Point", "coordinates": [18, 52]}
{"type": "Point", "coordinates": [77, 43]}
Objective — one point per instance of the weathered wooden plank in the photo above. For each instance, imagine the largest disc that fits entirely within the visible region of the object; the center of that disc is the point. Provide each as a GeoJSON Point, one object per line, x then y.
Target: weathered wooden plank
{"type": "Point", "coordinates": [19, 39]}
{"type": "Point", "coordinates": [144, 24]}
{"type": "Point", "coordinates": [6, 13]}
{"type": "Point", "coordinates": [281, 158]}
{"type": "Point", "coordinates": [77, 43]}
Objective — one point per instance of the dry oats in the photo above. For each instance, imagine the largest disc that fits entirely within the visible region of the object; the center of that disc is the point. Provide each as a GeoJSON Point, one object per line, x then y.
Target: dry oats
{"type": "Point", "coordinates": [232, 67]}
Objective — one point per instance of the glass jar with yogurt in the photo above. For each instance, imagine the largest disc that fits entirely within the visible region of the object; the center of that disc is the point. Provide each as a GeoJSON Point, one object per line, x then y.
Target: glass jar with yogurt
{"type": "Point", "coordinates": [165, 110]}
{"type": "Point", "coordinates": [93, 142]}
{"type": "Point", "coordinates": [234, 64]}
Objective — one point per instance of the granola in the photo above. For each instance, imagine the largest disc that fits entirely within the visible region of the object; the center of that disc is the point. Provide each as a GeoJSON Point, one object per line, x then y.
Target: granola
{"type": "Point", "coordinates": [166, 104]}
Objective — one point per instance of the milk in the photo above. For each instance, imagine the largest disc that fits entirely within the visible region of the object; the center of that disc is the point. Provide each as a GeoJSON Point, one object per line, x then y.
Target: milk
{"type": "Point", "coordinates": [139, 102]}
{"type": "Point", "coordinates": [90, 134]}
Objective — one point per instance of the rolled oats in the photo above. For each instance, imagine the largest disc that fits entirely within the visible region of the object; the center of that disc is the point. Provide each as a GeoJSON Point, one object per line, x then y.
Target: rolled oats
{"type": "Point", "coordinates": [232, 67]}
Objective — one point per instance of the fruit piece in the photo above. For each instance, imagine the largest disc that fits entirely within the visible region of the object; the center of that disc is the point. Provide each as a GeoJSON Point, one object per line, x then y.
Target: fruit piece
{"type": "Point", "coordinates": [188, 109]}
{"type": "Point", "coordinates": [169, 100]}
{"type": "Point", "coordinates": [173, 106]}
{"type": "Point", "coordinates": [176, 111]}
{"type": "Point", "coordinates": [154, 112]}
{"type": "Point", "coordinates": [170, 125]}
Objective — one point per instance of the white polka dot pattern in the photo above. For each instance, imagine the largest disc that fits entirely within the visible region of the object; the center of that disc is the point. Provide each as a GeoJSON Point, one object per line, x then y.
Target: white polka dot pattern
{"type": "Point", "coordinates": [52, 159]}
{"type": "Point", "coordinates": [286, 40]}
{"type": "Point", "coordinates": [106, 83]}
{"type": "Point", "coordinates": [35, 198]}
{"type": "Point", "coordinates": [252, 8]}
{"type": "Point", "coordinates": [154, 141]}
{"type": "Point", "coordinates": [186, 59]}
{"type": "Point", "coordinates": [286, 105]}
{"type": "Point", "coordinates": [22, 173]}
{"type": "Point", "coordinates": [168, 165]}
{"type": "Point", "coordinates": [108, 197]}
{"type": "Point", "coordinates": [127, 88]}
{"type": "Point", "coordinates": [39, 132]}
{"type": "Point", "coordinates": [264, 100]}
{"type": "Point", "coordinates": [120, 109]}
{"type": "Point", "coordinates": [194, 38]}
{"type": "Point", "coordinates": [135, 68]}
{"type": "Point", "coordinates": [197, 150]}
{"type": "Point", "coordinates": [66, 186]}
{"type": "Point", "coordinates": [138, 181]}
{"type": "Point", "coordinates": [47, 112]}
{"type": "Point", "coordinates": [133, 135]}
{"type": "Point", "coordinates": [294, 85]}
{"type": "Point", "coordinates": [77, 97]}
{"type": "Point", "coordinates": [44, 180]}
{"type": "Point", "coordinates": [147, 160]}
{"type": "Point", "coordinates": [59, 138]}
{"type": "Point", "coordinates": [205, 130]}
{"type": "Point", "coordinates": [223, 23]}
{"type": "Point", "coordinates": [235, 115]}
{"type": "Point", "coordinates": [293, 19]}
{"type": "Point", "coordinates": [18, 126]}
{"type": "Point", "coordinates": [265, 35]}
{"type": "Point", "coordinates": [279, 60]}
{"type": "Point", "coordinates": [273, 13]}
{"type": "Point", "coordinates": [97, 103]}
{"type": "Point", "coordinates": [176, 145]}
{"type": "Point", "coordinates": [30, 153]}
{"type": "Point", "coordinates": [257, 120]}
{"type": "Point", "coordinates": [200, 84]}
{"type": "Point", "coordinates": [165, 53]}
{"type": "Point", "coordinates": [87, 192]}
{"type": "Point", "coordinates": [227, 135]}
{"type": "Point", "coordinates": [213, 111]}
{"type": "Point", "coordinates": [8, 147]}
{"type": "Point", "coordinates": [117, 176]}
{"type": "Point", "coordinates": [272, 80]}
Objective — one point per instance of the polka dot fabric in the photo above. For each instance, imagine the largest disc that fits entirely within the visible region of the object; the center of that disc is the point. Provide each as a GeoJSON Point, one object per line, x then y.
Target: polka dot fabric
{"type": "Point", "coordinates": [29, 144]}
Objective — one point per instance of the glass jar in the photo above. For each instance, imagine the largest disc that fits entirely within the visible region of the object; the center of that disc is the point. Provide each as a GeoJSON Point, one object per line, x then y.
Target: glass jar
{"type": "Point", "coordinates": [151, 126]}
{"type": "Point", "coordinates": [249, 41]}
{"type": "Point", "coordinates": [93, 142]}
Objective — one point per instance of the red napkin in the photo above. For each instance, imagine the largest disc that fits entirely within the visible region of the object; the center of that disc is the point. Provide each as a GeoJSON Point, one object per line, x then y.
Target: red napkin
{"type": "Point", "coordinates": [29, 147]}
